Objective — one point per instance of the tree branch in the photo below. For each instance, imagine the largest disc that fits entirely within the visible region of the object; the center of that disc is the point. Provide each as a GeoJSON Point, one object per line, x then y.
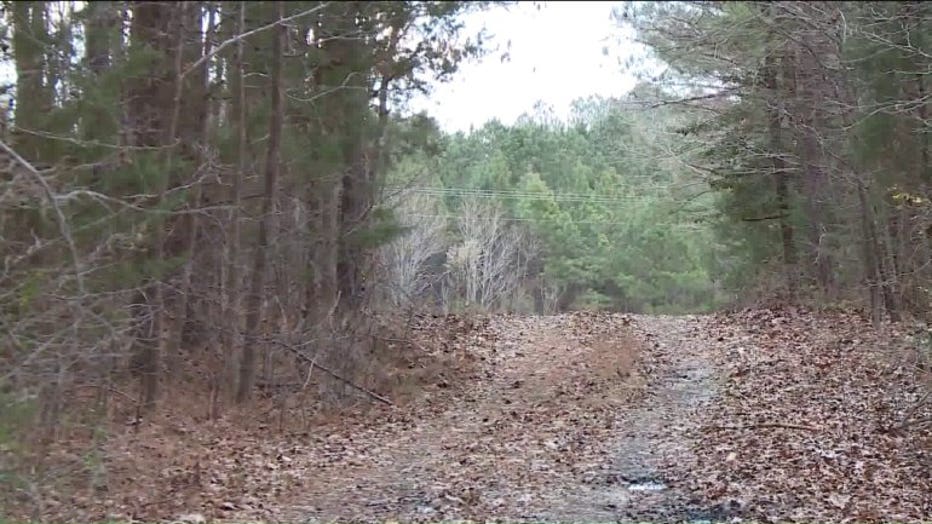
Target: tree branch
{"type": "Point", "coordinates": [59, 214]}
{"type": "Point", "coordinates": [249, 33]}
{"type": "Point", "coordinates": [758, 219]}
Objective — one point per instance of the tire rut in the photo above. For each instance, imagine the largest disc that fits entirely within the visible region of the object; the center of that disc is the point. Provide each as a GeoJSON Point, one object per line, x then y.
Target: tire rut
{"type": "Point", "coordinates": [654, 433]}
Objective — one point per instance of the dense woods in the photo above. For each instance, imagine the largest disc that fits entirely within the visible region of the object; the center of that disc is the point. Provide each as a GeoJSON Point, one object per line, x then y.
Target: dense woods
{"type": "Point", "coordinates": [548, 216]}
{"type": "Point", "coordinates": [198, 174]}
{"type": "Point", "coordinates": [217, 197]}
{"type": "Point", "coordinates": [814, 133]}
{"type": "Point", "coordinates": [191, 195]}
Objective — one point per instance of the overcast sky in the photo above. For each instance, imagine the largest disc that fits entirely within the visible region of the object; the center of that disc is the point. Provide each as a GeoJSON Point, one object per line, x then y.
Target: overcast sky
{"type": "Point", "coordinates": [557, 55]}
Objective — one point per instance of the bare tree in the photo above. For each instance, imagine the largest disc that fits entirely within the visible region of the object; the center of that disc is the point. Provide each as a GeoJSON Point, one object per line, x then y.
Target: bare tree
{"type": "Point", "coordinates": [407, 278]}
{"type": "Point", "coordinates": [487, 267]}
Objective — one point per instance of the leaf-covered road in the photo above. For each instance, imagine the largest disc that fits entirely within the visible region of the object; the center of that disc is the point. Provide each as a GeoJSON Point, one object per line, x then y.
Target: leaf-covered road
{"type": "Point", "coordinates": [530, 440]}
{"type": "Point", "coordinates": [768, 415]}
{"type": "Point", "coordinates": [705, 425]}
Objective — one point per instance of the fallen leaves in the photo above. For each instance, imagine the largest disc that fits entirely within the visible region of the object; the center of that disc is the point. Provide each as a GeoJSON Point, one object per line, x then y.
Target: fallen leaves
{"type": "Point", "coordinates": [763, 414]}
{"type": "Point", "coordinates": [802, 422]}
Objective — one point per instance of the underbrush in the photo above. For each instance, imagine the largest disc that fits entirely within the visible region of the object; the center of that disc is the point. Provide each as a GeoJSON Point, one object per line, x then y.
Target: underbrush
{"type": "Point", "coordinates": [104, 447]}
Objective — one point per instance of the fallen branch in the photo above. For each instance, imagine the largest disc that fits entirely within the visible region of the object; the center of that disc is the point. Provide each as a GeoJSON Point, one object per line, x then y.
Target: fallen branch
{"type": "Point", "coordinates": [333, 374]}
{"type": "Point", "coordinates": [917, 422]}
{"type": "Point", "coordinates": [110, 389]}
{"type": "Point", "coordinates": [759, 219]}
{"type": "Point", "coordinates": [907, 418]}
{"type": "Point", "coordinates": [760, 426]}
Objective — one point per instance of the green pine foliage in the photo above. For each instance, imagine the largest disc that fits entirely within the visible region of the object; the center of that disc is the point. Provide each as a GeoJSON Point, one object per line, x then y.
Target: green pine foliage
{"type": "Point", "coordinates": [616, 228]}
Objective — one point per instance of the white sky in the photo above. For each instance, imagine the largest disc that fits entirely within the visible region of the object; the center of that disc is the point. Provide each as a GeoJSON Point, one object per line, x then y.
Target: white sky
{"type": "Point", "coordinates": [556, 56]}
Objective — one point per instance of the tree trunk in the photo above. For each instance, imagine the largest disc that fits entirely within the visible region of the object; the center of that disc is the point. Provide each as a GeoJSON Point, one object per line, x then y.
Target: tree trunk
{"type": "Point", "coordinates": [349, 63]}
{"type": "Point", "coordinates": [780, 172]}
{"type": "Point", "coordinates": [924, 167]}
{"type": "Point", "coordinates": [340, 194]}
{"type": "Point", "coordinates": [879, 261]}
{"type": "Point", "coordinates": [879, 280]}
{"type": "Point", "coordinates": [100, 30]}
{"type": "Point", "coordinates": [922, 109]}
{"type": "Point", "coordinates": [34, 94]}
{"type": "Point", "coordinates": [247, 374]}
{"type": "Point", "coordinates": [233, 302]}
{"type": "Point", "coordinates": [803, 84]}
{"type": "Point", "coordinates": [150, 100]}
{"type": "Point", "coordinates": [188, 223]}
{"type": "Point", "coordinates": [32, 103]}
{"type": "Point", "coordinates": [871, 271]}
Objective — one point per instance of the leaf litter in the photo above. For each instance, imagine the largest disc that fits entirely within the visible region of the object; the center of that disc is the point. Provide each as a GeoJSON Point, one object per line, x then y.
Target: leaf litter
{"type": "Point", "coordinates": [768, 414]}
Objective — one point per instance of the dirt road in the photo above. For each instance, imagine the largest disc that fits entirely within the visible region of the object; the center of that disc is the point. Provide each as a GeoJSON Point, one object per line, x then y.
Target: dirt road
{"type": "Point", "coordinates": [567, 427]}
{"type": "Point", "coordinates": [599, 418]}
{"type": "Point", "coordinates": [765, 415]}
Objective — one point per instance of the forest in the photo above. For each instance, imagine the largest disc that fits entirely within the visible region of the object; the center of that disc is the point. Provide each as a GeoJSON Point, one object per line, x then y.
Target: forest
{"type": "Point", "coordinates": [225, 217]}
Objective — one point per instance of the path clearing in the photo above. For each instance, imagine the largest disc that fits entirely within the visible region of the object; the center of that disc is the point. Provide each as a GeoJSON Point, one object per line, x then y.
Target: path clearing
{"type": "Point", "coordinates": [564, 429]}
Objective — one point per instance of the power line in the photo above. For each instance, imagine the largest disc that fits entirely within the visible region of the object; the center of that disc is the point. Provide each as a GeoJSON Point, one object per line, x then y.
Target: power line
{"type": "Point", "coordinates": [526, 195]}
{"type": "Point", "coordinates": [690, 227]}
{"type": "Point", "coordinates": [521, 193]}
{"type": "Point", "coordinates": [495, 191]}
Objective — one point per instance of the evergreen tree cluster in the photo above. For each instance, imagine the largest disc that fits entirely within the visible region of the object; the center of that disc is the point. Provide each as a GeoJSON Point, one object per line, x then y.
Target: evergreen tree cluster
{"type": "Point", "coordinates": [814, 132]}
{"type": "Point", "coordinates": [608, 216]}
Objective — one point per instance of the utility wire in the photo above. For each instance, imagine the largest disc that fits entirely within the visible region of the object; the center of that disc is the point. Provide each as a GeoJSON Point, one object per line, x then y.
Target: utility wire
{"type": "Point", "coordinates": [514, 195]}
{"type": "Point", "coordinates": [690, 227]}
{"type": "Point", "coordinates": [498, 191]}
{"type": "Point", "coordinates": [475, 189]}
{"type": "Point", "coordinates": [505, 193]}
